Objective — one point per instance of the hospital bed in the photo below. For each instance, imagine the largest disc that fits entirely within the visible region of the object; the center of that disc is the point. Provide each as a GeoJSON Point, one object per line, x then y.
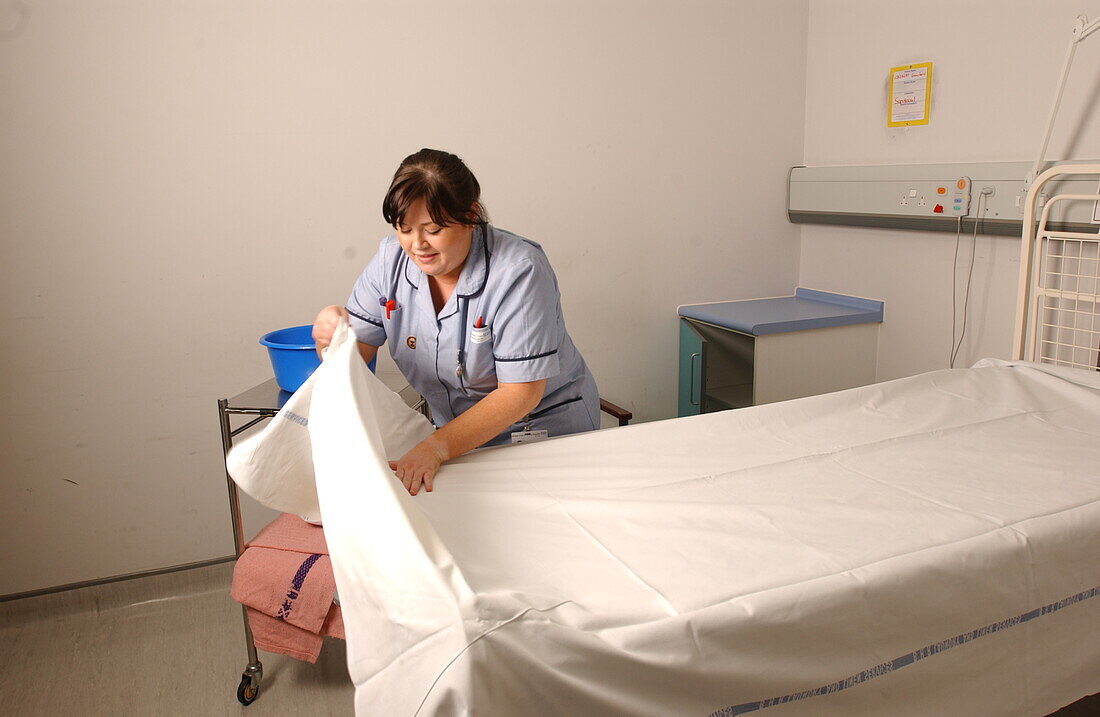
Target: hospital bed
{"type": "Point", "coordinates": [929, 545]}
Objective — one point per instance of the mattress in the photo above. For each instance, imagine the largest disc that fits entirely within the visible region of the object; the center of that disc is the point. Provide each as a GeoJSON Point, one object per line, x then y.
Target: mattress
{"type": "Point", "coordinates": [929, 545]}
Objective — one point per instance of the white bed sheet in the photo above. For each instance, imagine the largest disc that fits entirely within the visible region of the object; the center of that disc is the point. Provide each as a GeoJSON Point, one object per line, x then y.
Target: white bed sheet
{"type": "Point", "coordinates": [882, 550]}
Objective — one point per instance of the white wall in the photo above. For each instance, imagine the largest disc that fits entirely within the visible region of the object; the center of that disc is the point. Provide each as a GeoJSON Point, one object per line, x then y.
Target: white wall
{"type": "Point", "coordinates": [180, 177]}
{"type": "Point", "coordinates": [995, 67]}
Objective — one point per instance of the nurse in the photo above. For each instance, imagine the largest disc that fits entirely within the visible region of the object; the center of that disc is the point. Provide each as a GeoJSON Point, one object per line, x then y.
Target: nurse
{"type": "Point", "coordinates": [473, 318]}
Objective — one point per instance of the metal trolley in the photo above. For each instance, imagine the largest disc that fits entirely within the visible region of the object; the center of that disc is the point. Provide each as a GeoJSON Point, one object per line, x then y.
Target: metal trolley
{"type": "Point", "coordinates": [262, 402]}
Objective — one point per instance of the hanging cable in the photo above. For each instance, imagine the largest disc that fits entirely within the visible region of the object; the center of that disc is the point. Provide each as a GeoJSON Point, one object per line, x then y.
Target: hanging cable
{"type": "Point", "coordinates": [969, 278]}
{"type": "Point", "coordinates": [954, 279]}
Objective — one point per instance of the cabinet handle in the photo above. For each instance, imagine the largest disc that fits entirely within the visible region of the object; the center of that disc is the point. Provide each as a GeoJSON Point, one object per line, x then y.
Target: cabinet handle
{"type": "Point", "coordinates": [692, 387]}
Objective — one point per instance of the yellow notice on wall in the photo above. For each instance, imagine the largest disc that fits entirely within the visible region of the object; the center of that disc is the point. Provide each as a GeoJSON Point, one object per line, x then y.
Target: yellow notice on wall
{"type": "Point", "coordinates": [910, 95]}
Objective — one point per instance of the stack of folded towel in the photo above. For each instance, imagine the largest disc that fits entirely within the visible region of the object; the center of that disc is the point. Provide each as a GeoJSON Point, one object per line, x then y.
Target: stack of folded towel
{"type": "Point", "coordinates": [284, 579]}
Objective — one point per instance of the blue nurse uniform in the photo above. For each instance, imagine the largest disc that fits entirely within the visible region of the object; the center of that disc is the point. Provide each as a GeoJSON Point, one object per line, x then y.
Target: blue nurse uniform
{"type": "Point", "coordinates": [505, 316]}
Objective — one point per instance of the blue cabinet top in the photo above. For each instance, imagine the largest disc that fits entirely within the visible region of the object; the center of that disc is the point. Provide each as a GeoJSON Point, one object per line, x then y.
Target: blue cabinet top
{"type": "Point", "coordinates": [807, 309]}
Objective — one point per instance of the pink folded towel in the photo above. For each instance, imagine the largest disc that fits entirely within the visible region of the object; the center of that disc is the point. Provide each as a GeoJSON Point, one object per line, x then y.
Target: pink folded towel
{"type": "Point", "coordinates": [285, 580]}
{"type": "Point", "coordinates": [273, 635]}
{"type": "Point", "coordinates": [294, 587]}
{"type": "Point", "coordinates": [289, 532]}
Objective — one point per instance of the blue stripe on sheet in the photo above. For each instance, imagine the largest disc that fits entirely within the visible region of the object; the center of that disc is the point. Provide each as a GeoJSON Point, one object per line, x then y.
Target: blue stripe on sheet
{"type": "Point", "coordinates": [897, 663]}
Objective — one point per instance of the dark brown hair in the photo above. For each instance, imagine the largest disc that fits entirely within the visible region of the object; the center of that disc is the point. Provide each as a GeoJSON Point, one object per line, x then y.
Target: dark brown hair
{"type": "Point", "coordinates": [449, 190]}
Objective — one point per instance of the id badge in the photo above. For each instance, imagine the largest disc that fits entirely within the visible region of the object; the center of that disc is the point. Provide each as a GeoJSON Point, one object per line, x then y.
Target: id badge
{"type": "Point", "coordinates": [529, 436]}
{"type": "Point", "coordinates": [480, 335]}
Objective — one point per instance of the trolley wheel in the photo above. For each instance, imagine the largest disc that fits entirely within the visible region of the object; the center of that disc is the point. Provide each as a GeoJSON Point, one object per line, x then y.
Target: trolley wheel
{"type": "Point", "coordinates": [246, 691]}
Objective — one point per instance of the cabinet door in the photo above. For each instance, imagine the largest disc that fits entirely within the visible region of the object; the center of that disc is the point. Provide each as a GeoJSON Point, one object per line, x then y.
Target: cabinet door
{"type": "Point", "coordinates": [693, 352]}
{"type": "Point", "coordinates": [723, 378]}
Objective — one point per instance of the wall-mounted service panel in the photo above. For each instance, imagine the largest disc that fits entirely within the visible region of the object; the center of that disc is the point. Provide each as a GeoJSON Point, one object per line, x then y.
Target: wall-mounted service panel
{"type": "Point", "coordinates": [929, 197]}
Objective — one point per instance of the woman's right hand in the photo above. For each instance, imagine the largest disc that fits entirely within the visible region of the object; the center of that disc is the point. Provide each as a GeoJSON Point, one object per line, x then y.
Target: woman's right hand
{"type": "Point", "coordinates": [324, 326]}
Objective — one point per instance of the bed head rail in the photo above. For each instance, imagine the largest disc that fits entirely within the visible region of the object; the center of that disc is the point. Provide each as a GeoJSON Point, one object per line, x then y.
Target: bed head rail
{"type": "Point", "coordinates": [1058, 303]}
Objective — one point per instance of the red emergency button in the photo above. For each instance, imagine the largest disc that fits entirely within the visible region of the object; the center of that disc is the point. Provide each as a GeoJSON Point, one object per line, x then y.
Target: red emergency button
{"type": "Point", "coordinates": [938, 209]}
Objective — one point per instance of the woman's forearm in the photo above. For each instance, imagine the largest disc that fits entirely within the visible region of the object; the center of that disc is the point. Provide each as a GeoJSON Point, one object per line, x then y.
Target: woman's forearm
{"type": "Point", "coordinates": [487, 418]}
{"type": "Point", "coordinates": [484, 420]}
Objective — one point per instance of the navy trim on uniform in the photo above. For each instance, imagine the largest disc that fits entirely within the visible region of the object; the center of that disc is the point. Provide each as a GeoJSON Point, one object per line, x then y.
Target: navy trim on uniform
{"type": "Point", "coordinates": [446, 387]}
{"type": "Point", "coordinates": [526, 358]}
{"type": "Point", "coordinates": [368, 319]}
{"type": "Point", "coordinates": [536, 414]}
{"type": "Point", "coordinates": [405, 269]}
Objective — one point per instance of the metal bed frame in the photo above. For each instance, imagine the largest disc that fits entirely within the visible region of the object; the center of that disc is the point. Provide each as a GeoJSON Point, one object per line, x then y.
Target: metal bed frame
{"type": "Point", "coordinates": [262, 402]}
{"type": "Point", "coordinates": [1058, 301]}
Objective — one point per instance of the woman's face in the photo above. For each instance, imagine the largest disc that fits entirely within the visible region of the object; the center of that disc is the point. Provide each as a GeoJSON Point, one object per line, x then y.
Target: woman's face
{"type": "Point", "coordinates": [438, 251]}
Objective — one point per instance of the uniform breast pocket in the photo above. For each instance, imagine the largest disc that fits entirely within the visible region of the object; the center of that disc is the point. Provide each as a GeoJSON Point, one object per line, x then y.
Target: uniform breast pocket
{"type": "Point", "coordinates": [481, 373]}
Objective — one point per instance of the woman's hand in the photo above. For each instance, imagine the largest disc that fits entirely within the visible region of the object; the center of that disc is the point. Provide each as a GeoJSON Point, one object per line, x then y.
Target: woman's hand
{"type": "Point", "coordinates": [418, 466]}
{"type": "Point", "coordinates": [324, 326]}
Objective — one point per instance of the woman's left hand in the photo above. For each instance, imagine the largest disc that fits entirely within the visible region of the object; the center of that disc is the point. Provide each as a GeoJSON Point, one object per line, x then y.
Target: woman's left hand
{"type": "Point", "coordinates": [419, 465]}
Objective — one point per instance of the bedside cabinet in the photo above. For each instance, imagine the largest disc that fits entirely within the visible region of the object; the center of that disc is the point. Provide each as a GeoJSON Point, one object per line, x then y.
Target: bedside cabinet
{"type": "Point", "coordinates": [735, 354]}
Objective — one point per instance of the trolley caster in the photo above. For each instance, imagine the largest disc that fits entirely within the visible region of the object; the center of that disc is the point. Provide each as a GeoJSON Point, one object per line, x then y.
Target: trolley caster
{"type": "Point", "coordinates": [247, 691]}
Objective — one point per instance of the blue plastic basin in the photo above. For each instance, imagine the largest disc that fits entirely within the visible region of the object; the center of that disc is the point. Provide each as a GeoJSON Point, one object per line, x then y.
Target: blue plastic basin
{"type": "Point", "coordinates": [293, 355]}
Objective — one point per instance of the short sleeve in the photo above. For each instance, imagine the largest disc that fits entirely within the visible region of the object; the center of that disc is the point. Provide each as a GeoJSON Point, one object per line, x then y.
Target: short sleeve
{"type": "Point", "coordinates": [527, 329]}
{"type": "Point", "coordinates": [364, 310]}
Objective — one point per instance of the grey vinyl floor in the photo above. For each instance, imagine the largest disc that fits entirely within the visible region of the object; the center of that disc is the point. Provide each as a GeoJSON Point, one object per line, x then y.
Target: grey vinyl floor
{"type": "Point", "coordinates": [165, 645]}
{"type": "Point", "coordinates": [170, 644]}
